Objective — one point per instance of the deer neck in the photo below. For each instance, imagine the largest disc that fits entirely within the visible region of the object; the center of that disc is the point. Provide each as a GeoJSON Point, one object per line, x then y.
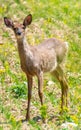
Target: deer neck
{"type": "Point", "coordinates": [24, 49]}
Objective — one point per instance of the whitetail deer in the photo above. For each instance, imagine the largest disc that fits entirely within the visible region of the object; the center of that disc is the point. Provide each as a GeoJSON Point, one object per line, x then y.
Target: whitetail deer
{"type": "Point", "coordinates": [35, 60]}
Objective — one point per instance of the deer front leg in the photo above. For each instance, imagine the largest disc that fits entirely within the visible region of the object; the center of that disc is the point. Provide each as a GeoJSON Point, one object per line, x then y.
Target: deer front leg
{"type": "Point", "coordinates": [40, 90]}
{"type": "Point", "coordinates": [29, 96]}
{"type": "Point", "coordinates": [40, 87]}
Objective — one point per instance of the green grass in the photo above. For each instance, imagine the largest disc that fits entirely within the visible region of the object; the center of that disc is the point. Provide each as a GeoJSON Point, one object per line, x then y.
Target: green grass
{"type": "Point", "coordinates": [52, 18]}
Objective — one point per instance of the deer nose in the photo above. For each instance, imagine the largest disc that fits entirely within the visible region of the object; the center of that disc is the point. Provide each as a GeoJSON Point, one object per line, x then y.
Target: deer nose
{"type": "Point", "coordinates": [18, 32]}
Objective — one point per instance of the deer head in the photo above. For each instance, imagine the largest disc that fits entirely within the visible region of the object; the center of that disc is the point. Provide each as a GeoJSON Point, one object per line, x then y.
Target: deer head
{"type": "Point", "coordinates": [19, 29]}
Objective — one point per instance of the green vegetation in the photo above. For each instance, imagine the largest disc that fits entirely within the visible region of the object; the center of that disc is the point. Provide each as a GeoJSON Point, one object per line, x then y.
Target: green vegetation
{"type": "Point", "coordinates": [52, 18]}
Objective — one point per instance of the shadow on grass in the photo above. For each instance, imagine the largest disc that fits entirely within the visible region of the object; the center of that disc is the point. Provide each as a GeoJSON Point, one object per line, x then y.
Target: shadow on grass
{"type": "Point", "coordinates": [4, 123]}
{"type": "Point", "coordinates": [35, 119]}
{"type": "Point", "coordinates": [40, 119]}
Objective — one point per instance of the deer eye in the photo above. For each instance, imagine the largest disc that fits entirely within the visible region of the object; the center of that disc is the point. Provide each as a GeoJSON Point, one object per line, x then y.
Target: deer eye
{"type": "Point", "coordinates": [23, 27]}
{"type": "Point", "coordinates": [14, 29]}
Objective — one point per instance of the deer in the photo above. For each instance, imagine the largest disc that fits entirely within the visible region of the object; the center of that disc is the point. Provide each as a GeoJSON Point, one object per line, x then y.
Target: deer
{"type": "Point", "coordinates": [36, 60]}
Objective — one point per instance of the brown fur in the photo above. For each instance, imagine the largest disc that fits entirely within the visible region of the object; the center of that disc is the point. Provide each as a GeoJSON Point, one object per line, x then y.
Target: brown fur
{"type": "Point", "coordinates": [35, 60]}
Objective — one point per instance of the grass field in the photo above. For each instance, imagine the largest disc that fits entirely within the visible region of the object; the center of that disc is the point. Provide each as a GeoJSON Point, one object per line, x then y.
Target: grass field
{"type": "Point", "coordinates": [53, 18]}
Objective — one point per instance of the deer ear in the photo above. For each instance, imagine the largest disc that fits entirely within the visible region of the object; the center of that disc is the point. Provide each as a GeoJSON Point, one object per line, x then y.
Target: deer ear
{"type": "Point", "coordinates": [8, 22]}
{"type": "Point", "coordinates": [27, 20]}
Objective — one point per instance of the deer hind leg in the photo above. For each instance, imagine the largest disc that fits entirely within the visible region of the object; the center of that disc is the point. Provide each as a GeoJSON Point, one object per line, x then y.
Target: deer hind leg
{"type": "Point", "coordinates": [29, 96]}
{"type": "Point", "coordinates": [59, 74]}
{"type": "Point", "coordinates": [64, 83]}
{"type": "Point", "coordinates": [40, 87]}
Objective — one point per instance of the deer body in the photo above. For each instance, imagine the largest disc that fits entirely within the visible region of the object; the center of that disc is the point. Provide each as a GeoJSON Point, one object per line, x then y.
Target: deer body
{"type": "Point", "coordinates": [35, 60]}
{"type": "Point", "coordinates": [44, 57]}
